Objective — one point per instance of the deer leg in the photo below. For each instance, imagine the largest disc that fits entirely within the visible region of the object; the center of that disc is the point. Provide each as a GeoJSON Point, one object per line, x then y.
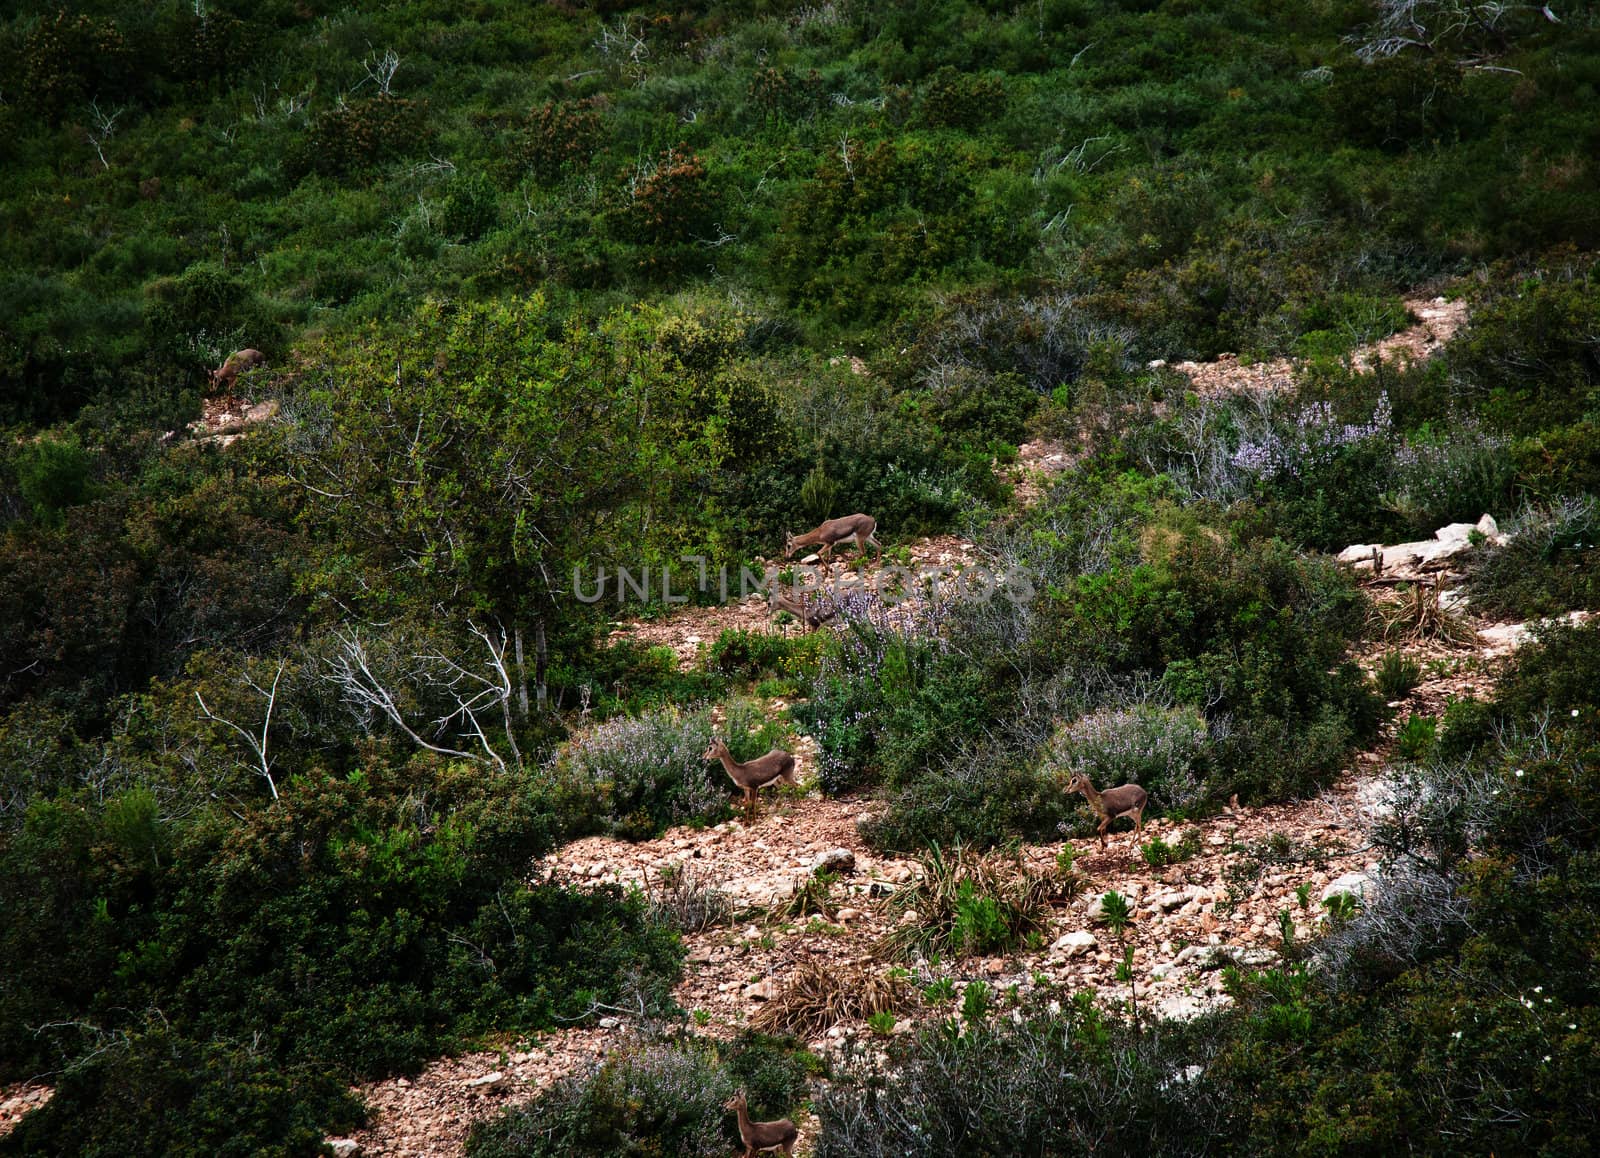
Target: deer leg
{"type": "Point", "coordinates": [1138, 821]}
{"type": "Point", "coordinates": [1104, 824]}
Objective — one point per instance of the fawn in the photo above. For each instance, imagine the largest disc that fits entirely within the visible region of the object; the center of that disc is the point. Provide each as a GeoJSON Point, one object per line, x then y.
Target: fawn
{"type": "Point", "coordinates": [758, 773]}
{"type": "Point", "coordinates": [1113, 803]}
{"type": "Point", "coordinates": [779, 1135]}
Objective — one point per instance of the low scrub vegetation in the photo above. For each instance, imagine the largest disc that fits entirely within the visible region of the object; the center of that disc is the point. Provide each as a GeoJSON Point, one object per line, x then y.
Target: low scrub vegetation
{"type": "Point", "coordinates": [567, 314]}
{"type": "Point", "coordinates": [651, 1097]}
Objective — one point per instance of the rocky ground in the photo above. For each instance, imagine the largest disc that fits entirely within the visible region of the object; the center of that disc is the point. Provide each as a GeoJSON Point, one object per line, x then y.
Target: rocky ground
{"type": "Point", "coordinates": [1437, 321]}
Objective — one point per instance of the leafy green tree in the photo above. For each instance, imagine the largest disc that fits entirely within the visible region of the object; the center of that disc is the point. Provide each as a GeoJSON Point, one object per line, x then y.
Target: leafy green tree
{"type": "Point", "coordinates": [472, 463]}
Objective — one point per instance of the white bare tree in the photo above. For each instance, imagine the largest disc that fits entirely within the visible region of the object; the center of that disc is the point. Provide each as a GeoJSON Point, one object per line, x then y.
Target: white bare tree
{"type": "Point", "coordinates": [257, 742]}
{"type": "Point", "coordinates": [1432, 24]}
{"type": "Point", "coordinates": [104, 127]}
{"type": "Point", "coordinates": [462, 696]}
{"type": "Point", "coordinates": [380, 70]}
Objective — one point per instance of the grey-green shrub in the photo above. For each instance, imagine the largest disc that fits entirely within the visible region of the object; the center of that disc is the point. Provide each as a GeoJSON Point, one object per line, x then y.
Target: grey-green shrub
{"type": "Point", "coordinates": [1146, 744]}
{"type": "Point", "coordinates": [635, 775]}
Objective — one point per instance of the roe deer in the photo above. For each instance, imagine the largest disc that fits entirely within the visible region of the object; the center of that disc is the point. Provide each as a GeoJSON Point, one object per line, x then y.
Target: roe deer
{"type": "Point", "coordinates": [779, 1135]}
{"type": "Point", "coordinates": [813, 612]}
{"type": "Point", "coordinates": [237, 362]}
{"type": "Point", "coordinates": [758, 773]}
{"type": "Point", "coordinates": [1112, 804]}
{"type": "Point", "coordinates": [860, 528]}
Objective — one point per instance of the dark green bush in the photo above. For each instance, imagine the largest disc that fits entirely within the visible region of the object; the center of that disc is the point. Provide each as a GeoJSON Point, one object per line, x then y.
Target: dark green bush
{"type": "Point", "coordinates": [1550, 566]}
{"type": "Point", "coordinates": [359, 924]}
{"type": "Point", "coordinates": [661, 1097]}
{"type": "Point", "coordinates": [157, 1092]}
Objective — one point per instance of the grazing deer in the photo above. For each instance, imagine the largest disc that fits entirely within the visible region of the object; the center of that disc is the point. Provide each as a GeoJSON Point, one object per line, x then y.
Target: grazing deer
{"type": "Point", "coordinates": [859, 528]}
{"type": "Point", "coordinates": [758, 773]}
{"type": "Point", "coordinates": [779, 1135]}
{"type": "Point", "coordinates": [237, 362]}
{"type": "Point", "coordinates": [1113, 803]}
{"type": "Point", "coordinates": [813, 612]}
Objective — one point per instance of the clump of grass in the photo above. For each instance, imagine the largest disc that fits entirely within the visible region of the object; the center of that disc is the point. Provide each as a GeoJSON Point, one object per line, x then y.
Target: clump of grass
{"type": "Point", "coordinates": [1418, 616]}
{"type": "Point", "coordinates": [1158, 853]}
{"type": "Point", "coordinates": [969, 904]}
{"type": "Point", "coordinates": [681, 897]}
{"type": "Point", "coordinates": [1398, 675]}
{"type": "Point", "coordinates": [1415, 738]}
{"type": "Point", "coordinates": [812, 896]}
{"type": "Point", "coordinates": [819, 995]}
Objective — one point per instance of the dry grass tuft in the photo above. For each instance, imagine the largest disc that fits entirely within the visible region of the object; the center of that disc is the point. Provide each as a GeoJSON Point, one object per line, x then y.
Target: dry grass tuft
{"type": "Point", "coordinates": [1416, 616]}
{"type": "Point", "coordinates": [681, 896]}
{"type": "Point", "coordinates": [817, 996]}
{"type": "Point", "coordinates": [968, 903]}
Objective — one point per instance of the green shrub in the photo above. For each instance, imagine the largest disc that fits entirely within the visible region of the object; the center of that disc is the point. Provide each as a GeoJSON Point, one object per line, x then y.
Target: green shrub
{"type": "Point", "coordinates": [1155, 747]}
{"type": "Point", "coordinates": [1070, 1083]}
{"type": "Point", "coordinates": [752, 655]}
{"type": "Point", "coordinates": [1455, 475]}
{"type": "Point", "coordinates": [54, 475]}
{"type": "Point", "coordinates": [157, 1092]}
{"type": "Point", "coordinates": [559, 139]}
{"type": "Point", "coordinates": [1414, 739]}
{"type": "Point", "coordinates": [1549, 566]}
{"type": "Point", "coordinates": [663, 1097]}
{"type": "Point", "coordinates": [1157, 853]}
{"type": "Point", "coordinates": [355, 136]}
{"type": "Point", "coordinates": [968, 904]}
{"type": "Point", "coordinates": [633, 776]}
{"type": "Point", "coordinates": [1398, 675]}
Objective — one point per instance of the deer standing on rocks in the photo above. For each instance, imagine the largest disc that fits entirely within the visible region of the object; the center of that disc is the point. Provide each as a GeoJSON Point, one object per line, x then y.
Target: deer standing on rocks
{"type": "Point", "coordinates": [1112, 804]}
{"type": "Point", "coordinates": [779, 1135]}
{"type": "Point", "coordinates": [859, 528]}
{"type": "Point", "coordinates": [813, 612]}
{"type": "Point", "coordinates": [776, 765]}
{"type": "Point", "coordinates": [236, 363]}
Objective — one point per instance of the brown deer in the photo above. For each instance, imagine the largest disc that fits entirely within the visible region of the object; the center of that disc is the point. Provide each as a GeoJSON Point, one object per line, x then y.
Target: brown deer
{"type": "Point", "coordinates": [859, 528]}
{"type": "Point", "coordinates": [776, 765]}
{"type": "Point", "coordinates": [813, 612]}
{"type": "Point", "coordinates": [237, 362]}
{"type": "Point", "coordinates": [1112, 804]}
{"type": "Point", "coordinates": [779, 1135]}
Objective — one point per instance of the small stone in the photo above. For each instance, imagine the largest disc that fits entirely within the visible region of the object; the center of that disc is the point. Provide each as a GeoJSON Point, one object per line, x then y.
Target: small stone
{"type": "Point", "coordinates": [1074, 943]}
{"type": "Point", "coordinates": [609, 1022]}
{"type": "Point", "coordinates": [1254, 958]}
{"type": "Point", "coordinates": [487, 1081]}
{"type": "Point", "coordinates": [343, 1147]}
{"type": "Point", "coordinates": [763, 990]}
{"type": "Point", "coordinates": [837, 860]}
{"type": "Point", "coordinates": [1359, 885]}
{"type": "Point", "coordinates": [845, 916]}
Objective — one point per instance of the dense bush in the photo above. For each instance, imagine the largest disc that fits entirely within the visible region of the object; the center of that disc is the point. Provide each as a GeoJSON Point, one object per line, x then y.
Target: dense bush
{"type": "Point", "coordinates": [355, 927]}
{"type": "Point", "coordinates": [155, 1092]}
{"type": "Point", "coordinates": [635, 775]}
{"type": "Point", "coordinates": [1550, 565]}
{"type": "Point", "coordinates": [652, 1097]}
{"type": "Point", "coordinates": [1077, 1083]}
